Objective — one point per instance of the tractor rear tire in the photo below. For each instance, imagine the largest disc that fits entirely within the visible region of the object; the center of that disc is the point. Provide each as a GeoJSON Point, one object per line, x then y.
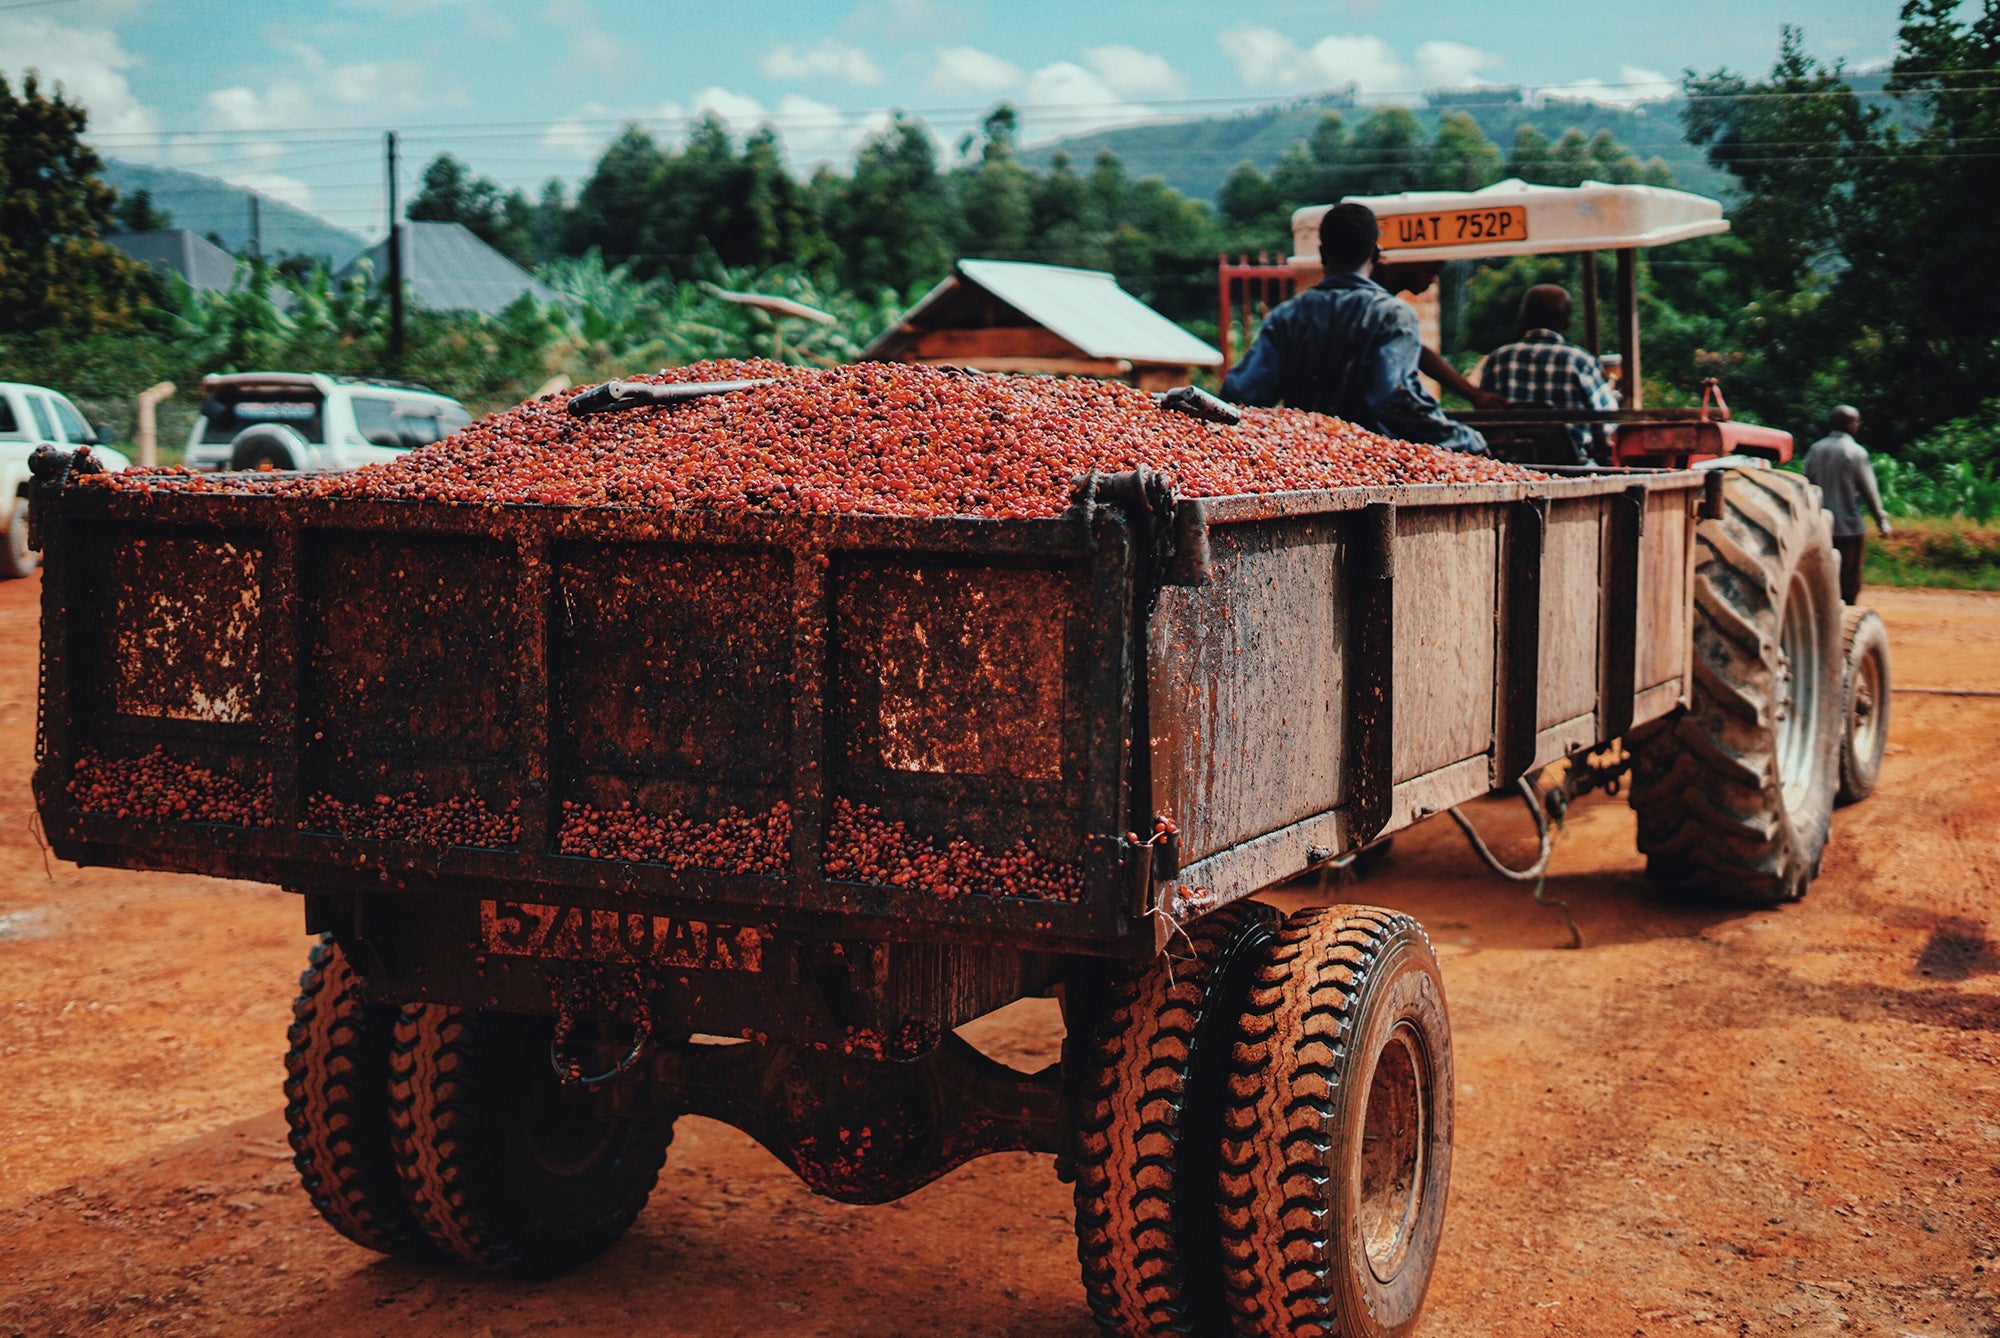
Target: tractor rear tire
{"type": "Point", "coordinates": [1336, 1141]}
{"type": "Point", "coordinates": [1865, 690]}
{"type": "Point", "coordinates": [1734, 796]}
{"type": "Point", "coordinates": [508, 1169]}
{"type": "Point", "coordinates": [1149, 1124]}
{"type": "Point", "coordinates": [337, 1106]}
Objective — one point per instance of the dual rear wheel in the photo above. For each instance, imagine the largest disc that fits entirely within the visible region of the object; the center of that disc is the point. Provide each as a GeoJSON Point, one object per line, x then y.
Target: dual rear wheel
{"type": "Point", "coordinates": [1265, 1144]}
{"type": "Point", "coordinates": [430, 1129]}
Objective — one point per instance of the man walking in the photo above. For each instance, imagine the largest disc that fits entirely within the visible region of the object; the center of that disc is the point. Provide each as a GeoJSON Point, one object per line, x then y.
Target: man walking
{"type": "Point", "coordinates": [1838, 466]}
{"type": "Point", "coordinates": [1346, 347]}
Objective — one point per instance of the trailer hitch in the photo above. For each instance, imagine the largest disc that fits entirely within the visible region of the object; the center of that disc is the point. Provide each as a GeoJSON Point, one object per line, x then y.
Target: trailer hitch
{"type": "Point", "coordinates": [53, 469]}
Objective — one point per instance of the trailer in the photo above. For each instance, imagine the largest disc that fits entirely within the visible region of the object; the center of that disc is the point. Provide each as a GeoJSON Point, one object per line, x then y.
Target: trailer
{"type": "Point", "coordinates": [456, 732]}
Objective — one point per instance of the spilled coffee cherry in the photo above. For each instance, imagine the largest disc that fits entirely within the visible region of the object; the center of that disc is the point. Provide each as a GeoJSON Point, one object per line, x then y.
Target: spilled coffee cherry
{"type": "Point", "coordinates": [736, 842]}
{"type": "Point", "coordinates": [157, 787]}
{"type": "Point", "coordinates": [457, 821]}
{"type": "Point", "coordinates": [864, 847]}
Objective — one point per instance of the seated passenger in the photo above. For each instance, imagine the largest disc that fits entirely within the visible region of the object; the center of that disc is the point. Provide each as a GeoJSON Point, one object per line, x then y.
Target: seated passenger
{"type": "Point", "coordinates": [1346, 347]}
{"type": "Point", "coordinates": [1544, 370]}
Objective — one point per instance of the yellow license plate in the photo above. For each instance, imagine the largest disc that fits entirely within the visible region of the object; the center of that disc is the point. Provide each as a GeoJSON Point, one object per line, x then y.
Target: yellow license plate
{"type": "Point", "coordinates": [1456, 227]}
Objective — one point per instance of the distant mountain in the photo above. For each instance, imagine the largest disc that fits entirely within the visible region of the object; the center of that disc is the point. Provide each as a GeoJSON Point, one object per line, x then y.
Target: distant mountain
{"type": "Point", "coordinates": [205, 205]}
{"type": "Point", "coordinates": [1196, 156]}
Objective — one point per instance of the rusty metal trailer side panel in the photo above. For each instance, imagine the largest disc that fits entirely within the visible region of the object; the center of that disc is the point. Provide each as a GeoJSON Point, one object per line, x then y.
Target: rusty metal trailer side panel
{"type": "Point", "coordinates": [1349, 670]}
{"type": "Point", "coordinates": [397, 698]}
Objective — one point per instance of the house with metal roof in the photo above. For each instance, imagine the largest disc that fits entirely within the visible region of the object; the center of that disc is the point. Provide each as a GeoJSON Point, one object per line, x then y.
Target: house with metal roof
{"type": "Point", "coordinates": [1005, 316]}
{"type": "Point", "coordinates": [447, 268]}
{"type": "Point", "coordinates": [196, 259]}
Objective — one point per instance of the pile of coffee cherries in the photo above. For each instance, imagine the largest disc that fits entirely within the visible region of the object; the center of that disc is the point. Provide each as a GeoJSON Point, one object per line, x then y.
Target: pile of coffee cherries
{"type": "Point", "coordinates": [864, 847]}
{"type": "Point", "coordinates": [736, 842]}
{"type": "Point", "coordinates": [160, 788]}
{"type": "Point", "coordinates": [891, 439]}
{"type": "Point", "coordinates": [458, 821]}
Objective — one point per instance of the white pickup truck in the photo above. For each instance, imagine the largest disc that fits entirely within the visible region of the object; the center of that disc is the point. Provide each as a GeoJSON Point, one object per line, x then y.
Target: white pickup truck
{"type": "Point", "coordinates": [304, 420]}
{"type": "Point", "coordinates": [32, 416]}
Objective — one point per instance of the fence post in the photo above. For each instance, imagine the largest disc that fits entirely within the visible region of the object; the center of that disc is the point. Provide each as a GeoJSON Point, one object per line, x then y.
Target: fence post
{"type": "Point", "coordinates": [147, 432]}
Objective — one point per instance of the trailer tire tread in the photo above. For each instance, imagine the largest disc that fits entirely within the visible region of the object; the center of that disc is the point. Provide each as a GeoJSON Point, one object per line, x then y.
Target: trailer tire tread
{"type": "Point", "coordinates": [1154, 1059]}
{"type": "Point", "coordinates": [1284, 1094]}
{"type": "Point", "coordinates": [1708, 791]}
{"type": "Point", "coordinates": [446, 1135]}
{"type": "Point", "coordinates": [336, 1106]}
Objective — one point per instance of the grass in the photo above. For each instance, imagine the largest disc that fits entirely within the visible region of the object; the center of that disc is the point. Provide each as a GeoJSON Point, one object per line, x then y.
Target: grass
{"type": "Point", "coordinates": [1954, 554]}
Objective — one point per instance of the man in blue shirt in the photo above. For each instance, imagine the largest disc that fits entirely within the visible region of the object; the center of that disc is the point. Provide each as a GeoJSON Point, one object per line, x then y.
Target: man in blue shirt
{"type": "Point", "coordinates": [1346, 347]}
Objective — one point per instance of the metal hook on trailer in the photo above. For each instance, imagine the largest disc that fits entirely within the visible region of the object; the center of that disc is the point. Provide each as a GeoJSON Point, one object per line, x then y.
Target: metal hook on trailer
{"type": "Point", "coordinates": [571, 1071]}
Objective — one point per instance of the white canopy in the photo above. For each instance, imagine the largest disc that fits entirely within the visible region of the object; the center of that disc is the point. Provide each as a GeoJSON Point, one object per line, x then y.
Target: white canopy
{"type": "Point", "coordinates": [1513, 218]}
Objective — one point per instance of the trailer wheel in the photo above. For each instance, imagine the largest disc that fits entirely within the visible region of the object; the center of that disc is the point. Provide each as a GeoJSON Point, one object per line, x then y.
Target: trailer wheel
{"type": "Point", "coordinates": [1148, 1127]}
{"type": "Point", "coordinates": [1865, 731]}
{"type": "Point", "coordinates": [336, 1104]}
{"type": "Point", "coordinates": [1336, 1145]}
{"type": "Point", "coordinates": [1735, 795]}
{"type": "Point", "coordinates": [506, 1168]}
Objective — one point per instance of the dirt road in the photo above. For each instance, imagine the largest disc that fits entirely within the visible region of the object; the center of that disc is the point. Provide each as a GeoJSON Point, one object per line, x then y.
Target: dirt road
{"type": "Point", "coordinates": [1703, 1122]}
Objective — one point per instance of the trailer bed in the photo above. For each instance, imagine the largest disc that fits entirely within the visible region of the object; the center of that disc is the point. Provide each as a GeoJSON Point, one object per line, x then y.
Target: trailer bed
{"type": "Point", "coordinates": [592, 728]}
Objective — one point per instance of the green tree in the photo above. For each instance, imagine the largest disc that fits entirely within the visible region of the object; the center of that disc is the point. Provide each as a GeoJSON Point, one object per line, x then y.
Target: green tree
{"type": "Point", "coordinates": [890, 221]}
{"type": "Point", "coordinates": [451, 194]}
{"type": "Point", "coordinates": [1461, 157]}
{"type": "Point", "coordinates": [137, 213]}
{"type": "Point", "coordinates": [54, 272]}
{"type": "Point", "coordinates": [1388, 155]}
{"type": "Point", "coordinates": [995, 199]}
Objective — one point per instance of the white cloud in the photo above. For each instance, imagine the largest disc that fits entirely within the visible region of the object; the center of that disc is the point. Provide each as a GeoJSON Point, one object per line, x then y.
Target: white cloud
{"type": "Point", "coordinates": [828, 60]}
{"type": "Point", "coordinates": [1064, 98]}
{"type": "Point", "coordinates": [1133, 73]}
{"type": "Point", "coordinates": [965, 69]}
{"type": "Point", "coordinates": [739, 111]}
{"type": "Point", "coordinates": [1452, 64]}
{"type": "Point", "coordinates": [1268, 60]}
{"type": "Point", "coordinates": [1634, 84]}
{"type": "Point", "coordinates": [88, 64]}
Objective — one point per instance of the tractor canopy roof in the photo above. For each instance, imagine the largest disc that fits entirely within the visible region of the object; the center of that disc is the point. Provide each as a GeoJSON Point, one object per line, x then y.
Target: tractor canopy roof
{"type": "Point", "coordinates": [1512, 218]}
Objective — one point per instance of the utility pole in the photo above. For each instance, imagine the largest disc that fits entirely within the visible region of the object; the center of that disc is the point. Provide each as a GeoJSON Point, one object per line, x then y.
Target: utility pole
{"type": "Point", "coordinates": [395, 262]}
{"type": "Point", "coordinates": [256, 226]}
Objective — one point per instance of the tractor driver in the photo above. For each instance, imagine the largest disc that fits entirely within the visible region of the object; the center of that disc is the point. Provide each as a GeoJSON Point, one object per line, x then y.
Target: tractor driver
{"type": "Point", "coordinates": [1545, 370]}
{"type": "Point", "coordinates": [1346, 347]}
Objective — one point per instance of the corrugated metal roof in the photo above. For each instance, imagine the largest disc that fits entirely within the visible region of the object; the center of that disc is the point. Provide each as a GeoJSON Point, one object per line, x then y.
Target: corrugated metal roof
{"type": "Point", "coordinates": [1086, 307]}
{"type": "Point", "coordinates": [198, 260]}
{"type": "Point", "coordinates": [449, 269]}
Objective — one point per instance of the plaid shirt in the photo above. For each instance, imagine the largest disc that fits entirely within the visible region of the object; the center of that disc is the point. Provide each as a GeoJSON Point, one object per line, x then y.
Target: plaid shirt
{"type": "Point", "coordinates": [1547, 371]}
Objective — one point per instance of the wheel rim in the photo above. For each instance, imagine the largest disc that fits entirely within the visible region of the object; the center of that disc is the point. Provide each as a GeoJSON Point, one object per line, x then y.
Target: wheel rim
{"type": "Point", "coordinates": [1864, 714]}
{"type": "Point", "coordinates": [1798, 705]}
{"type": "Point", "coordinates": [1394, 1151]}
{"type": "Point", "coordinates": [17, 531]}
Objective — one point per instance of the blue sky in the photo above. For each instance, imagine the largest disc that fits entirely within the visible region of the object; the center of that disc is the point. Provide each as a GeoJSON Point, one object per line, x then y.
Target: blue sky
{"type": "Point", "coordinates": [291, 98]}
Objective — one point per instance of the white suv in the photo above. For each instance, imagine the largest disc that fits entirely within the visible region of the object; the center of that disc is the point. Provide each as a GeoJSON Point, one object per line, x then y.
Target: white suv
{"type": "Point", "coordinates": [302, 420]}
{"type": "Point", "coordinates": [32, 416]}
